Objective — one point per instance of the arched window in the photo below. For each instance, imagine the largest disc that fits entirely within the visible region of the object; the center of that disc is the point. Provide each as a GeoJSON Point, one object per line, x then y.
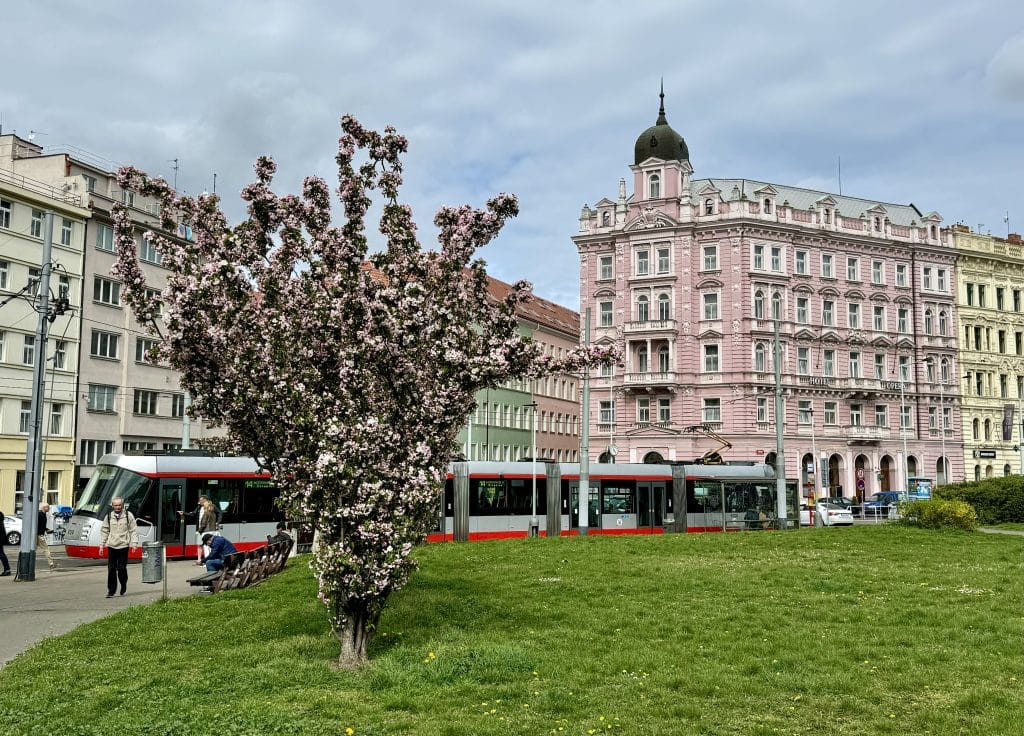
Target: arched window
{"type": "Point", "coordinates": [776, 306]}
{"type": "Point", "coordinates": [654, 186]}
{"type": "Point", "coordinates": [767, 205]}
{"type": "Point", "coordinates": [759, 363]}
{"type": "Point", "coordinates": [758, 304]}
{"type": "Point", "coordinates": [709, 206]}
{"type": "Point", "coordinates": [663, 359]}
{"type": "Point", "coordinates": [942, 323]}
{"type": "Point", "coordinates": [1006, 470]}
{"type": "Point", "coordinates": [664, 309]}
{"type": "Point", "coordinates": [643, 312]}
{"type": "Point", "coordinates": [988, 471]}
{"type": "Point", "coordinates": [944, 370]}
{"type": "Point", "coordinates": [935, 232]}
{"type": "Point", "coordinates": [641, 358]}
{"type": "Point", "coordinates": [927, 321]}
{"type": "Point", "coordinates": [988, 429]}
{"type": "Point", "coordinates": [975, 428]}
{"type": "Point", "coordinates": [653, 458]}
{"type": "Point", "coordinates": [606, 218]}
{"type": "Point", "coordinates": [977, 472]}
{"type": "Point", "coordinates": [878, 224]}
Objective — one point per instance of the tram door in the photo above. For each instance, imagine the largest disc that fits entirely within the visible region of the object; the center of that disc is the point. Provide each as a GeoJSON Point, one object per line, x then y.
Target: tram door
{"type": "Point", "coordinates": [573, 502]}
{"type": "Point", "coordinates": [650, 498]}
{"type": "Point", "coordinates": [172, 526]}
{"type": "Point", "coordinates": [706, 506]}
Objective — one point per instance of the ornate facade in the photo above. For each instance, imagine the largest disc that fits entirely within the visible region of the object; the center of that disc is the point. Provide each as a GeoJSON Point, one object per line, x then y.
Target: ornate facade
{"type": "Point", "coordinates": [690, 278]}
{"type": "Point", "coordinates": [990, 288]}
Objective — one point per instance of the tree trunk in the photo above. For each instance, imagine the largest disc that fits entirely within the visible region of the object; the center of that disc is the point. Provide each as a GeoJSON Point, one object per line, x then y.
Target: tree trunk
{"type": "Point", "coordinates": [353, 637]}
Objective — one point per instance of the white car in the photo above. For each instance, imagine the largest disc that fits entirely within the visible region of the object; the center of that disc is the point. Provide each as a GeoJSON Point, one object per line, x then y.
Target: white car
{"type": "Point", "coordinates": [831, 514]}
{"type": "Point", "coordinates": [12, 530]}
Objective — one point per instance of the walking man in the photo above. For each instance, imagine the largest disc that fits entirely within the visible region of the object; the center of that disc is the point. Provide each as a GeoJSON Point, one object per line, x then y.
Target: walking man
{"type": "Point", "coordinates": [3, 554]}
{"type": "Point", "coordinates": [42, 527]}
{"type": "Point", "coordinates": [118, 535]}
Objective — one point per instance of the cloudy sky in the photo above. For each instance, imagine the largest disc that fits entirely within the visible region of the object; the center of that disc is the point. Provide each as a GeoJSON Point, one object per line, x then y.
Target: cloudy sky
{"type": "Point", "coordinates": [922, 100]}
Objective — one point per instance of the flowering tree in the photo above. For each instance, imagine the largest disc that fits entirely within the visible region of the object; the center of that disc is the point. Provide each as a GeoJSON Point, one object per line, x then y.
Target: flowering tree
{"type": "Point", "coordinates": [347, 374]}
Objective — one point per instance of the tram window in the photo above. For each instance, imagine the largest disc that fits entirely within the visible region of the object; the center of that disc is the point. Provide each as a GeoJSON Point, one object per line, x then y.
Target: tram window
{"type": "Point", "coordinates": [256, 501]}
{"type": "Point", "coordinates": [618, 498]}
{"type": "Point", "coordinates": [219, 490]}
{"type": "Point", "coordinates": [499, 496]}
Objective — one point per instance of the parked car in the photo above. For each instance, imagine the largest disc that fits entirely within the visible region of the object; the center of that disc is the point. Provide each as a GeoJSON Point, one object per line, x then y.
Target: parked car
{"type": "Point", "coordinates": [880, 504]}
{"type": "Point", "coordinates": [831, 514]}
{"type": "Point", "coordinates": [12, 529]}
{"type": "Point", "coordinates": [846, 503]}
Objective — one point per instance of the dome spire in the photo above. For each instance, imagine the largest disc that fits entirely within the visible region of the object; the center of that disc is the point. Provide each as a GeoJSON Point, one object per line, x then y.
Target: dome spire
{"type": "Point", "coordinates": [662, 120]}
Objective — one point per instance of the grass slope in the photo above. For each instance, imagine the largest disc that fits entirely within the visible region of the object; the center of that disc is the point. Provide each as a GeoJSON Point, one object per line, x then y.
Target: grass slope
{"type": "Point", "coordinates": [868, 630]}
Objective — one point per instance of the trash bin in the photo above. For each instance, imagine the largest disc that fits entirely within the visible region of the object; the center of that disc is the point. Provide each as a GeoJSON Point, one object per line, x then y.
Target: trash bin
{"type": "Point", "coordinates": [152, 562]}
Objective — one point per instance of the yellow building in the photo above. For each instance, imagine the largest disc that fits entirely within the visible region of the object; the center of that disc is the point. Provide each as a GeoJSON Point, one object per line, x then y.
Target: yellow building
{"type": "Point", "coordinates": [23, 205]}
{"type": "Point", "coordinates": [990, 286]}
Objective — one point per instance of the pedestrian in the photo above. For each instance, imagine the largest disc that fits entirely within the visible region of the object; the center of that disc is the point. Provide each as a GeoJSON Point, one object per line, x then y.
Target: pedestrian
{"type": "Point", "coordinates": [42, 529]}
{"type": "Point", "coordinates": [220, 548]}
{"type": "Point", "coordinates": [281, 535]}
{"type": "Point", "coordinates": [207, 517]}
{"type": "Point", "coordinates": [119, 535]}
{"type": "Point", "coordinates": [3, 553]}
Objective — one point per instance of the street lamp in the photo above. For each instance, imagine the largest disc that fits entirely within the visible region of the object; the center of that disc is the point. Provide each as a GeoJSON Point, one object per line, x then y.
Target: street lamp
{"type": "Point", "coordinates": [534, 530]}
{"type": "Point", "coordinates": [903, 429]}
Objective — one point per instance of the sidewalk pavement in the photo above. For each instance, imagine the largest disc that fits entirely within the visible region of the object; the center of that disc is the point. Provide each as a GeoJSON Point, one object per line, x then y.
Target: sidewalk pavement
{"type": "Point", "coordinates": [75, 593]}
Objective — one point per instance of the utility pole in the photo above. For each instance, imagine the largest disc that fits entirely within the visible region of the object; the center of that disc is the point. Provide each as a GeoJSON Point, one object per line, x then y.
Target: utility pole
{"type": "Point", "coordinates": [33, 451]}
{"type": "Point", "coordinates": [584, 489]}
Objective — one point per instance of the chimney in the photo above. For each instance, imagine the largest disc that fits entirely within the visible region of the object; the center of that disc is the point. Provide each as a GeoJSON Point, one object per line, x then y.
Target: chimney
{"type": "Point", "coordinates": [1013, 238]}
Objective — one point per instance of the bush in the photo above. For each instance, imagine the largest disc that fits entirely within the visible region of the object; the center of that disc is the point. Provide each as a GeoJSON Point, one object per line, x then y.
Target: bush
{"type": "Point", "coordinates": [940, 514]}
{"type": "Point", "coordinates": [996, 500]}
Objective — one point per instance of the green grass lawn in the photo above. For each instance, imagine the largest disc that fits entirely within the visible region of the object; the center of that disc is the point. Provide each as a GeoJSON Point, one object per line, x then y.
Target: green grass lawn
{"type": "Point", "coordinates": [867, 630]}
{"type": "Point", "coordinates": [1009, 525]}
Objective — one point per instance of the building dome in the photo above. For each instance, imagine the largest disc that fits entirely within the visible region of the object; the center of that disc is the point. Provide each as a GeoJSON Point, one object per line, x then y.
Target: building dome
{"type": "Point", "coordinates": [660, 141]}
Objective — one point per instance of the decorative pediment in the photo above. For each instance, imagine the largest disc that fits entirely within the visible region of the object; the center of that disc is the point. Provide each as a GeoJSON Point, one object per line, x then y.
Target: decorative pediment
{"type": "Point", "coordinates": [605, 342]}
{"type": "Point", "coordinates": [803, 289]}
{"type": "Point", "coordinates": [604, 291]}
{"type": "Point", "coordinates": [649, 218]}
{"type": "Point", "coordinates": [826, 201]}
{"type": "Point", "coordinates": [830, 335]}
{"type": "Point", "coordinates": [880, 297]}
{"type": "Point", "coordinates": [710, 284]}
{"type": "Point", "coordinates": [806, 333]}
{"type": "Point", "coordinates": [767, 190]}
{"type": "Point", "coordinates": [710, 335]}
{"type": "Point", "coordinates": [881, 341]}
{"type": "Point", "coordinates": [932, 216]}
{"type": "Point", "coordinates": [709, 189]}
{"type": "Point", "coordinates": [905, 342]}
{"type": "Point", "coordinates": [854, 294]}
{"type": "Point", "coordinates": [604, 202]}
{"type": "Point", "coordinates": [829, 291]}
{"type": "Point", "coordinates": [877, 210]}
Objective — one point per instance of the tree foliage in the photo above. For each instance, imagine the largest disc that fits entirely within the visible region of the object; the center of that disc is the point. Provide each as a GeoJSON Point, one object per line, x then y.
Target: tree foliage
{"type": "Point", "coordinates": [347, 373]}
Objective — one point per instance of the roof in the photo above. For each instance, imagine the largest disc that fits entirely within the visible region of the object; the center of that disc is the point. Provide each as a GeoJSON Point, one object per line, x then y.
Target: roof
{"type": "Point", "coordinates": [535, 309]}
{"type": "Point", "coordinates": [803, 199]}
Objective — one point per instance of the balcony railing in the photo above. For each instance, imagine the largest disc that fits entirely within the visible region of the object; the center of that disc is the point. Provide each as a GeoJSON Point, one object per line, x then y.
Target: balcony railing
{"type": "Point", "coordinates": [647, 379]}
{"type": "Point", "coordinates": [651, 325]}
{"type": "Point", "coordinates": [864, 432]}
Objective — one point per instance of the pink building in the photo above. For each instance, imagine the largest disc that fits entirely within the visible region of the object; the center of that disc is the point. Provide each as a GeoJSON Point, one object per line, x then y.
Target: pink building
{"type": "Point", "coordinates": [688, 277]}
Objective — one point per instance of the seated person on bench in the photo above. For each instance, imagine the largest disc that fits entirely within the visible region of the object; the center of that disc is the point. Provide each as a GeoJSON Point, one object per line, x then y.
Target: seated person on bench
{"type": "Point", "coordinates": [220, 548]}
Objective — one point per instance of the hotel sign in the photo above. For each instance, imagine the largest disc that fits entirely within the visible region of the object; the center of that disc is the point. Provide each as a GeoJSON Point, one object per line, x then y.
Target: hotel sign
{"type": "Point", "coordinates": [820, 381]}
{"type": "Point", "coordinates": [892, 385]}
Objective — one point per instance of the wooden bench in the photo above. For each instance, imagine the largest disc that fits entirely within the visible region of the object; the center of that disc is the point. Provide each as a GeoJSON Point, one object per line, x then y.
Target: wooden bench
{"type": "Point", "coordinates": [242, 569]}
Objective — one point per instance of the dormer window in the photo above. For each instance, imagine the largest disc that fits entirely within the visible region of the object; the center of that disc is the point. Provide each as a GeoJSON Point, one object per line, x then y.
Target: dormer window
{"type": "Point", "coordinates": [767, 205]}
{"type": "Point", "coordinates": [935, 232]}
{"type": "Point", "coordinates": [878, 224]}
{"type": "Point", "coordinates": [654, 186]}
{"type": "Point", "coordinates": [606, 218]}
{"type": "Point", "coordinates": [827, 214]}
{"type": "Point", "coordinates": [709, 206]}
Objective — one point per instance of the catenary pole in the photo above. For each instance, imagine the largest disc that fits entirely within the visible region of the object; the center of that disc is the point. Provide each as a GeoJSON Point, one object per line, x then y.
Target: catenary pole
{"type": "Point", "coordinates": [584, 490]}
{"type": "Point", "coordinates": [33, 450]}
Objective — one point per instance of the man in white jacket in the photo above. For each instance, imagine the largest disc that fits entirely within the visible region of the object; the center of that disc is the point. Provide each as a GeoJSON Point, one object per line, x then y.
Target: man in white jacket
{"type": "Point", "coordinates": [118, 535]}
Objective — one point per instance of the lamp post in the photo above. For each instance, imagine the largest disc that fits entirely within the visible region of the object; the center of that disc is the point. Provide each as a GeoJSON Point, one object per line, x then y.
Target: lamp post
{"type": "Point", "coordinates": [814, 466]}
{"type": "Point", "coordinates": [903, 430]}
{"type": "Point", "coordinates": [534, 530]}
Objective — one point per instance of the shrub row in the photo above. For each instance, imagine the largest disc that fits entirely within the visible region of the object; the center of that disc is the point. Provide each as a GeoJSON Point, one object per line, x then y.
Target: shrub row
{"type": "Point", "coordinates": [996, 500]}
{"type": "Point", "coordinates": [940, 514]}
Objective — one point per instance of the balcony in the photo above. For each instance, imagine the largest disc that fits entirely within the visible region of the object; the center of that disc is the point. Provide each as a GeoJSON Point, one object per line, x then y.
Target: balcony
{"type": "Point", "coordinates": [651, 379]}
{"type": "Point", "coordinates": [651, 325]}
{"type": "Point", "coordinates": [861, 432]}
